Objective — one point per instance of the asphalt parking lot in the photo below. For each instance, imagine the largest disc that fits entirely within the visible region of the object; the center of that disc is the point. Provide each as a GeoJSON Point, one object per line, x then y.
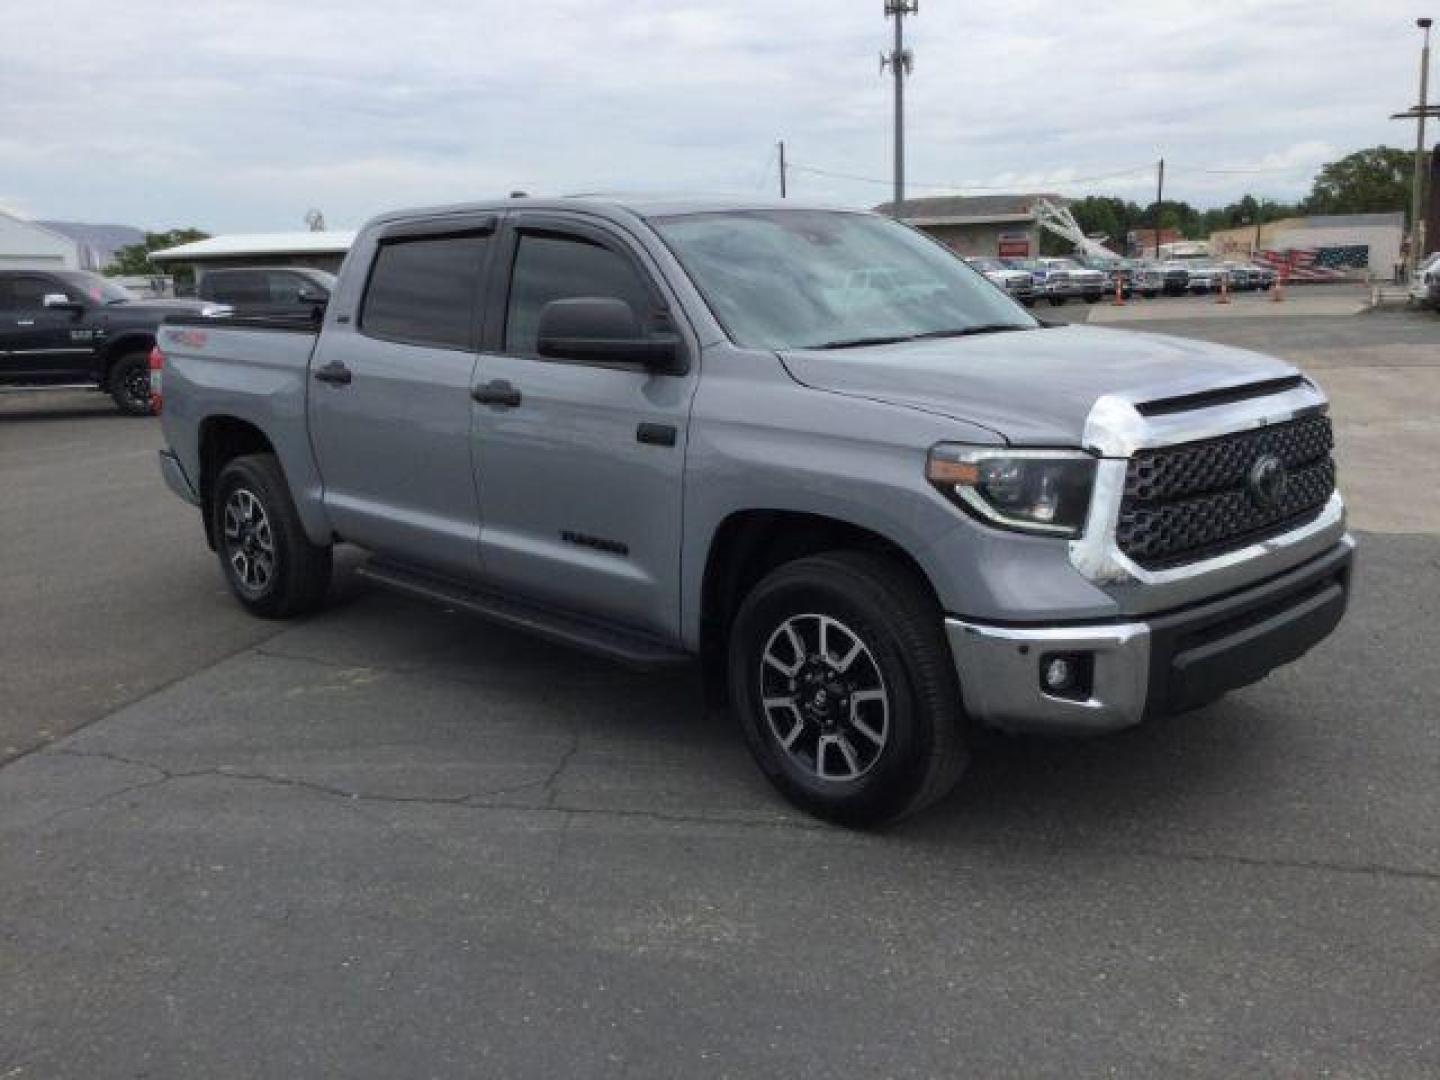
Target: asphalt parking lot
{"type": "Point", "coordinates": [392, 841]}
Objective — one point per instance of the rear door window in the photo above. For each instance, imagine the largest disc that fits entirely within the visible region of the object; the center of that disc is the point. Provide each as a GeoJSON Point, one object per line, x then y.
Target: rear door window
{"type": "Point", "coordinates": [423, 291]}
{"type": "Point", "coordinates": [236, 287]}
{"type": "Point", "coordinates": [27, 293]}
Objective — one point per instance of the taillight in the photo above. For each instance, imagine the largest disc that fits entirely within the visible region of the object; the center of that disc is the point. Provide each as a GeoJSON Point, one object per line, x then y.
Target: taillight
{"type": "Point", "coordinates": [157, 377]}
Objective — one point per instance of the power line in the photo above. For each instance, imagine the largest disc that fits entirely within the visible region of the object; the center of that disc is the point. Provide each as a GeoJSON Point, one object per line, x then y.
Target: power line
{"type": "Point", "coordinates": [794, 167]}
{"type": "Point", "coordinates": [1240, 172]}
{"type": "Point", "coordinates": [764, 173]}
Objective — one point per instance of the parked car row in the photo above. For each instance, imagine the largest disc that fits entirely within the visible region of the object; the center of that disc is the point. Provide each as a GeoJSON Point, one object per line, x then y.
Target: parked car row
{"type": "Point", "coordinates": [1060, 279]}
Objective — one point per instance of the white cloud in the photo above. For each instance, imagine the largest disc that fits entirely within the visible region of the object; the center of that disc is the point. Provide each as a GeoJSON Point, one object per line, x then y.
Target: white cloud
{"type": "Point", "coordinates": [241, 114]}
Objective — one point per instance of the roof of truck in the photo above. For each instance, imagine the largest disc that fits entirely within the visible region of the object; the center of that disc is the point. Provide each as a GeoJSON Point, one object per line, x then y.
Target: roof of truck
{"type": "Point", "coordinates": [607, 203]}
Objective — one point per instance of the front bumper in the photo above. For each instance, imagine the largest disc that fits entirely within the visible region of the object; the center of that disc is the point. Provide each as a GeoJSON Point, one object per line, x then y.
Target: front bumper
{"type": "Point", "coordinates": [1166, 663]}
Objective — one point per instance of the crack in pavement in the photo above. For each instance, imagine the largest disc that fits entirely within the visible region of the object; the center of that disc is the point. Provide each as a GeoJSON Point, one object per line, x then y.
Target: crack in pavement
{"type": "Point", "coordinates": [225, 772]}
{"type": "Point", "coordinates": [487, 800]}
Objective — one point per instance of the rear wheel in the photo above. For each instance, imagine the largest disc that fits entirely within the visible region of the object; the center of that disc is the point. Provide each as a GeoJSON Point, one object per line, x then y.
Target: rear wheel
{"type": "Point", "coordinates": [845, 688]}
{"type": "Point", "coordinates": [268, 561]}
{"type": "Point", "coordinates": [129, 383]}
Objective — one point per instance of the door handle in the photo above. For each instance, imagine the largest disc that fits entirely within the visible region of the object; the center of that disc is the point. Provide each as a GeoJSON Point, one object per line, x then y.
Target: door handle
{"type": "Point", "coordinates": [499, 393]}
{"type": "Point", "coordinates": [335, 373]}
{"type": "Point", "coordinates": [24, 322]}
{"type": "Point", "coordinates": [656, 434]}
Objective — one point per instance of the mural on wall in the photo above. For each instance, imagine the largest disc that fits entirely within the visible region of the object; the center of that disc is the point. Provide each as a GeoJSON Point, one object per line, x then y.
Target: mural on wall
{"type": "Point", "coordinates": [1329, 263]}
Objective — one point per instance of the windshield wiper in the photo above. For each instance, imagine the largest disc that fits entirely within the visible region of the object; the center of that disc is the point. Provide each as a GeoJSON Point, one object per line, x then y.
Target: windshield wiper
{"type": "Point", "coordinates": [893, 339]}
{"type": "Point", "coordinates": [967, 331]}
{"type": "Point", "coordinates": [859, 342]}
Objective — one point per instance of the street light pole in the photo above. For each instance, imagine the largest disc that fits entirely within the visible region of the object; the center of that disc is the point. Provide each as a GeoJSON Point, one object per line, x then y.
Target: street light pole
{"type": "Point", "coordinates": [1417, 200]}
{"type": "Point", "coordinates": [900, 61]}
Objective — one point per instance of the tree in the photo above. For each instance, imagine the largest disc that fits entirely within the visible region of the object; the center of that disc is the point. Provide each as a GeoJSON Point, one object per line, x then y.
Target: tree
{"type": "Point", "coordinates": [1365, 182]}
{"type": "Point", "coordinates": [135, 258]}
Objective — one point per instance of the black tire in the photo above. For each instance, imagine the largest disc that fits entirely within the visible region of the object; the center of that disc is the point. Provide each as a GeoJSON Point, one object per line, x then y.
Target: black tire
{"type": "Point", "coordinates": [1095, 299]}
{"type": "Point", "coordinates": [1028, 301]}
{"type": "Point", "coordinates": [128, 383]}
{"type": "Point", "coordinates": [880, 604]}
{"type": "Point", "coordinates": [1150, 294]}
{"type": "Point", "coordinates": [268, 561]}
{"type": "Point", "coordinates": [1056, 301]}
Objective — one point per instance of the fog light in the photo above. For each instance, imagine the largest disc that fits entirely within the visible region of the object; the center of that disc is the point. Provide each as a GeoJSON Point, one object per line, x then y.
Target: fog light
{"type": "Point", "coordinates": [1059, 674]}
{"type": "Point", "coordinates": [1067, 675]}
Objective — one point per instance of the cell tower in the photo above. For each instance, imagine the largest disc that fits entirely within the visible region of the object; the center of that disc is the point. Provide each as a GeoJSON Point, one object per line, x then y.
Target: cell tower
{"type": "Point", "coordinates": [901, 62]}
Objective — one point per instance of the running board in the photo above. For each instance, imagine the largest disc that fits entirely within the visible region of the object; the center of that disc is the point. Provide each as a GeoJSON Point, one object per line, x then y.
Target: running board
{"type": "Point", "coordinates": [625, 646]}
{"type": "Point", "coordinates": [35, 388]}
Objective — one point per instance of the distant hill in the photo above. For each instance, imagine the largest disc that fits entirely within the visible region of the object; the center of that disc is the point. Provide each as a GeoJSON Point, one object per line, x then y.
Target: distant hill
{"type": "Point", "coordinates": [98, 242]}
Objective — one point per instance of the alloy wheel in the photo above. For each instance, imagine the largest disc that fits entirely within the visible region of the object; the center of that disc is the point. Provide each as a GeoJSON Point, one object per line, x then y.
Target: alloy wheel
{"type": "Point", "coordinates": [824, 697]}
{"type": "Point", "coordinates": [249, 541]}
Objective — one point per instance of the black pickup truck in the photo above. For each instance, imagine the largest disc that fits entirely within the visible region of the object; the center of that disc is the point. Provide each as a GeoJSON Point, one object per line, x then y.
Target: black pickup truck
{"type": "Point", "coordinates": [70, 327]}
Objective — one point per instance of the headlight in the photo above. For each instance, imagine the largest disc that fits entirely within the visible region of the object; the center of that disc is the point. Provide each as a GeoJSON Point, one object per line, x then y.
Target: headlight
{"type": "Point", "coordinates": [1034, 491]}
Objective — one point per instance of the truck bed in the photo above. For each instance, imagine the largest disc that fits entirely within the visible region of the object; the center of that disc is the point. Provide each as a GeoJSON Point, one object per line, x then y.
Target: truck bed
{"type": "Point", "coordinates": [241, 370]}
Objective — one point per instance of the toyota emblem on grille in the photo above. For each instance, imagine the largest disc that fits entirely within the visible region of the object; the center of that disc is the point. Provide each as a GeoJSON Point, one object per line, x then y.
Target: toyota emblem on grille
{"type": "Point", "coordinates": [1267, 480]}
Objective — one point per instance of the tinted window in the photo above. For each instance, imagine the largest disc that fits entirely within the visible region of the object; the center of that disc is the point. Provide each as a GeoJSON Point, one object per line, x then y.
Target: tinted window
{"type": "Point", "coordinates": [561, 268]}
{"type": "Point", "coordinates": [424, 291]}
{"type": "Point", "coordinates": [28, 293]}
{"type": "Point", "coordinates": [285, 288]}
{"type": "Point", "coordinates": [235, 287]}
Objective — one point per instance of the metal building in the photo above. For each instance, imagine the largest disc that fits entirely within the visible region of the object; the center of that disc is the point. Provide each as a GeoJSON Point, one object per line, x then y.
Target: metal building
{"type": "Point", "coordinates": [1004, 225]}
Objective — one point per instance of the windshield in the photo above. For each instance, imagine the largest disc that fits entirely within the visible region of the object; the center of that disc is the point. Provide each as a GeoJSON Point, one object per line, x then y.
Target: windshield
{"type": "Point", "coordinates": [792, 279]}
{"type": "Point", "coordinates": [99, 290]}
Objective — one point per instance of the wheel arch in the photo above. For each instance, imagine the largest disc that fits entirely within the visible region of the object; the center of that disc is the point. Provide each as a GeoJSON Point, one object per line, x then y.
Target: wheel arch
{"type": "Point", "coordinates": [748, 544]}
{"type": "Point", "coordinates": [223, 438]}
{"type": "Point", "coordinates": [125, 343]}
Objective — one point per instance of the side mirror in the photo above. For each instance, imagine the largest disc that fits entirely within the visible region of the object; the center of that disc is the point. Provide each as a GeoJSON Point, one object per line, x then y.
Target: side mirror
{"type": "Point", "coordinates": [58, 301]}
{"type": "Point", "coordinates": [603, 329]}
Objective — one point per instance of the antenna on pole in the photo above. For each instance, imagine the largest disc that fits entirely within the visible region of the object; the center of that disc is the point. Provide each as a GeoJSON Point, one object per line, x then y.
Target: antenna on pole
{"type": "Point", "coordinates": [782, 169]}
{"type": "Point", "coordinates": [315, 220]}
{"type": "Point", "coordinates": [900, 61]}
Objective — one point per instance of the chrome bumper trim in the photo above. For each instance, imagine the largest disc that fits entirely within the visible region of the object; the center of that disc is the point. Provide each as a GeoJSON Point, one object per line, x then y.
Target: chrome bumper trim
{"type": "Point", "coordinates": [999, 669]}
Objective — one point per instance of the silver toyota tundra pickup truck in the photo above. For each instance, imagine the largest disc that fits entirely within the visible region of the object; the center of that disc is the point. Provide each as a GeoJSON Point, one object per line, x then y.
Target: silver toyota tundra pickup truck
{"type": "Point", "coordinates": [879, 503]}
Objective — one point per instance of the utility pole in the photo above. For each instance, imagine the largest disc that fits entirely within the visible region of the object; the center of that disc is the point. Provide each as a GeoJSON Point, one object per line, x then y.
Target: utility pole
{"type": "Point", "coordinates": [782, 168]}
{"type": "Point", "coordinates": [901, 62]}
{"type": "Point", "coordinates": [1417, 200]}
{"type": "Point", "coordinates": [1159, 198]}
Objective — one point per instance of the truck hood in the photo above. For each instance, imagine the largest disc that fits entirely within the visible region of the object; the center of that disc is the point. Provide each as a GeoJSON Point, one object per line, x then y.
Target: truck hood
{"type": "Point", "coordinates": [1032, 387]}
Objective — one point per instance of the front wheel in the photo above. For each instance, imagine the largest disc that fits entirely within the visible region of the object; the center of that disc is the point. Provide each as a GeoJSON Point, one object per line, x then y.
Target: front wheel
{"type": "Point", "coordinates": [270, 564]}
{"type": "Point", "coordinates": [129, 383]}
{"type": "Point", "coordinates": [845, 688]}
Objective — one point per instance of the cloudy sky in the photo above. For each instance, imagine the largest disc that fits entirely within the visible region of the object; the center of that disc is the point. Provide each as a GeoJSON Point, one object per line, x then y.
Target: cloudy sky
{"type": "Point", "coordinates": [236, 115]}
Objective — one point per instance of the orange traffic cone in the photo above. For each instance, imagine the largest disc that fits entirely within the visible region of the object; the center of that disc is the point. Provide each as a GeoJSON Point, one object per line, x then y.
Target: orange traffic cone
{"type": "Point", "coordinates": [1119, 300]}
{"type": "Point", "coordinates": [1278, 292]}
{"type": "Point", "coordinates": [1224, 297]}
